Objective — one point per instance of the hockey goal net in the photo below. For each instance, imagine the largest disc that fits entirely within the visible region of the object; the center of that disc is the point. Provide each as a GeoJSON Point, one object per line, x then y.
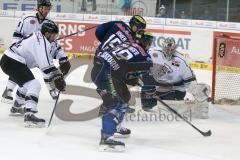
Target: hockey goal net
{"type": "Point", "coordinates": [226, 70]}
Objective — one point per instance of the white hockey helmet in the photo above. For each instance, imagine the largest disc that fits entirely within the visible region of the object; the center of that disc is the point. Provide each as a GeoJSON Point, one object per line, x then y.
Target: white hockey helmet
{"type": "Point", "coordinates": [169, 47]}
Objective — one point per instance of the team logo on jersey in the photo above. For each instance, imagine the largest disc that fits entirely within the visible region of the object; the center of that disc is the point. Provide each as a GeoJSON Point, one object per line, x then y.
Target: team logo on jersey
{"type": "Point", "coordinates": [222, 50]}
{"type": "Point", "coordinates": [161, 72]}
{"type": "Point", "coordinates": [176, 63]}
{"type": "Point", "coordinates": [32, 21]}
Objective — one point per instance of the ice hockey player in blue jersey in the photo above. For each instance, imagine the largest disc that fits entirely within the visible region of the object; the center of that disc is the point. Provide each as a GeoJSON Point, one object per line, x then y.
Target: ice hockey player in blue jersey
{"type": "Point", "coordinates": [113, 33]}
{"type": "Point", "coordinates": [111, 71]}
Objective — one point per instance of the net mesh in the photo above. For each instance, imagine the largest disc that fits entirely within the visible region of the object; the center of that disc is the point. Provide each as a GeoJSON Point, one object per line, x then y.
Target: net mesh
{"type": "Point", "coordinates": [227, 77]}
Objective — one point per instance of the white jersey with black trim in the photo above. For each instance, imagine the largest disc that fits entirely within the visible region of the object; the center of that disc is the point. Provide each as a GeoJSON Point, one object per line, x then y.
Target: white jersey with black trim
{"type": "Point", "coordinates": [57, 52]}
{"type": "Point", "coordinates": [27, 25]}
{"type": "Point", "coordinates": [175, 71]}
{"type": "Point", "coordinates": [34, 51]}
{"type": "Point", "coordinates": [31, 23]}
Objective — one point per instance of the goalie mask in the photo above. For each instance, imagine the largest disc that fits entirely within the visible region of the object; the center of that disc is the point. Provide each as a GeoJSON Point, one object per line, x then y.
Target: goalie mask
{"type": "Point", "coordinates": [137, 23]}
{"type": "Point", "coordinates": [145, 39]}
{"type": "Point", "coordinates": [169, 48]}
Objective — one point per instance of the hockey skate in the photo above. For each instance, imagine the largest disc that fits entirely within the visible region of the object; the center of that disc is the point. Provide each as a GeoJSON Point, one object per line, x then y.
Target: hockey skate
{"type": "Point", "coordinates": [31, 121]}
{"type": "Point", "coordinates": [122, 132]}
{"type": "Point", "coordinates": [17, 109]}
{"type": "Point", "coordinates": [108, 144]}
{"type": "Point", "coordinates": [7, 96]}
{"type": "Point", "coordinates": [130, 110]}
{"type": "Point", "coordinates": [53, 94]}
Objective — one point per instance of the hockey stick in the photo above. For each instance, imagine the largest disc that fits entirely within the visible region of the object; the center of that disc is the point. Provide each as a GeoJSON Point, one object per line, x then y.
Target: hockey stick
{"type": "Point", "coordinates": [205, 134]}
{"type": "Point", "coordinates": [76, 32]}
{"type": "Point", "coordinates": [49, 123]}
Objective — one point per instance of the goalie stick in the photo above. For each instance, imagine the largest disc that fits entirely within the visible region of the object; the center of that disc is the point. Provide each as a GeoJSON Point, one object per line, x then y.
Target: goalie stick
{"type": "Point", "coordinates": [205, 134]}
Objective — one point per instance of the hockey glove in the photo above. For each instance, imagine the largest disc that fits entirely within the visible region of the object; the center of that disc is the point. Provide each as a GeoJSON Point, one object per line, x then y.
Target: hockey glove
{"type": "Point", "coordinates": [189, 98]}
{"type": "Point", "coordinates": [59, 82]}
{"type": "Point", "coordinates": [65, 67]}
{"type": "Point", "coordinates": [200, 91]}
{"type": "Point", "coordinates": [132, 82]}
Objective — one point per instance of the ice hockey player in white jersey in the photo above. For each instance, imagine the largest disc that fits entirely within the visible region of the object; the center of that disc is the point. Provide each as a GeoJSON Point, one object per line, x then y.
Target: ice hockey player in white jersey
{"type": "Point", "coordinates": [33, 22]}
{"type": "Point", "coordinates": [32, 51]}
{"type": "Point", "coordinates": [27, 25]}
{"type": "Point", "coordinates": [170, 77]}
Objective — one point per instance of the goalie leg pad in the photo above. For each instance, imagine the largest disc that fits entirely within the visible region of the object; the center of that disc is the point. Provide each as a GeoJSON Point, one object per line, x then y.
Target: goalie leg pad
{"type": "Point", "coordinates": [146, 100]}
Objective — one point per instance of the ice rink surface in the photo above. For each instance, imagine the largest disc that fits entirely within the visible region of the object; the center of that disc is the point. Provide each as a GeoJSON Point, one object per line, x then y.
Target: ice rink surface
{"type": "Point", "coordinates": [149, 140]}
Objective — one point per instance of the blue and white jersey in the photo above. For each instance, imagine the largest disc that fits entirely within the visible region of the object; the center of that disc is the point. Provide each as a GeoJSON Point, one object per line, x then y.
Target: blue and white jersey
{"type": "Point", "coordinates": [112, 34]}
{"type": "Point", "coordinates": [126, 58]}
{"type": "Point", "coordinates": [175, 72]}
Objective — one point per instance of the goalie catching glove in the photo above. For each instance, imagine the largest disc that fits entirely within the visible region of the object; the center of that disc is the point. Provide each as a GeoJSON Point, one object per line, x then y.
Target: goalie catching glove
{"type": "Point", "coordinates": [197, 91]}
{"type": "Point", "coordinates": [58, 81]}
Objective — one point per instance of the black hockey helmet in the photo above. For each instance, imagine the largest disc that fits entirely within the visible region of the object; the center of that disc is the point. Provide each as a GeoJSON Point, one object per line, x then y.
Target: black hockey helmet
{"type": "Point", "coordinates": [50, 27]}
{"type": "Point", "coordinates": [41, 3]}
{"type": "Point", "coordinates": [144, 38]}
{"type": "Point", "coordinates": [137, 23]}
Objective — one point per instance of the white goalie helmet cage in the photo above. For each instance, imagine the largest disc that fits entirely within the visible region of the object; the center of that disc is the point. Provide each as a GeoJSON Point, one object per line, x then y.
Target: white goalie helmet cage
{"type": "Point", "coordinates": [169, 47]}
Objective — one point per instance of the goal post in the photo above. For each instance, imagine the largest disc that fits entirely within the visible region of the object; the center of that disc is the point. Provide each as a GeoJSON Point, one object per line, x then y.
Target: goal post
{"type": "Point", "coordinates": [226, 68]}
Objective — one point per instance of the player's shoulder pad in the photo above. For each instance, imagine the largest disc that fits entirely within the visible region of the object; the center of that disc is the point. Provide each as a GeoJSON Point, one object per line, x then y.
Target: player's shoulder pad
{"type": "Point", "coordinates": [28, 16]}
{"type": "Point", "coordinates": [38, 35]}
{"type": "Point", "coordinates": [122, 24]}
{"type": "Point", "coordinates": [179, 57]}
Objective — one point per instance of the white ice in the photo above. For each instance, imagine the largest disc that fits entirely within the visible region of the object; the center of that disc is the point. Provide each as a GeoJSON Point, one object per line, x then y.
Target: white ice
{"type": "Point", "coordinates": [149, 140]}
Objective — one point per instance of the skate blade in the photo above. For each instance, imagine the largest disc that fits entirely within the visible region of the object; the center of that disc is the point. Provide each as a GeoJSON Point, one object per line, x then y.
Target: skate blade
{"type": "Point", "coordinates": [151, 111]}
{"type": "Point", "coordinates": [16, 115]}
{"type": "Point", "coordinates": [118, 135]}
{"type": "Point", "coordinates": [7, 101]}
{"type": "Point", "coordinates": [110, 148]}
{"type": "Point", "coordinates": [34, 125]}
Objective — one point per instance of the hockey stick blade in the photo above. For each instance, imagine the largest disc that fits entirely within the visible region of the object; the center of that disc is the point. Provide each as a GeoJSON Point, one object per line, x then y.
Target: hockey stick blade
{"type": "Point", "coordinates": [207, 134]}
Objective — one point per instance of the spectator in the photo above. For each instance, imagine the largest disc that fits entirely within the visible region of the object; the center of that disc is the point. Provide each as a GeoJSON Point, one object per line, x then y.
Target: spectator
{"type": "Point", "coordinates": [206, 16]}
{"type": "Point", "coordinates": [183, 15]}
{"type": "Point", "coordinates": [127, 4]}
{"type": "Point", "coordinates": [161, 12]}
{"type": "Point", "coordinates": [84, 6]}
